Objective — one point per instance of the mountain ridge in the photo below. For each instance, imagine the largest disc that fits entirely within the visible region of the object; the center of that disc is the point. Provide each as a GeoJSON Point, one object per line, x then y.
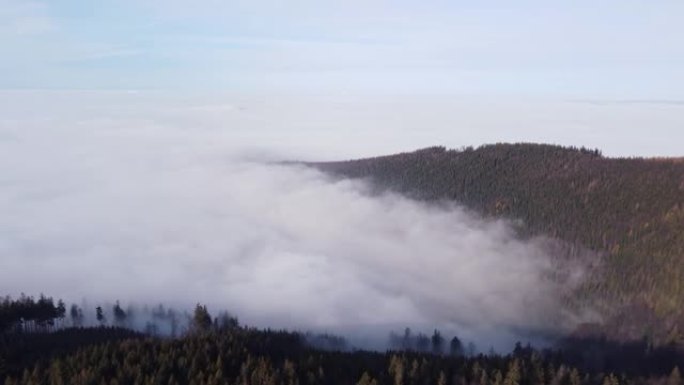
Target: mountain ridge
{"type": "Point", "coordinates": [629, 210]}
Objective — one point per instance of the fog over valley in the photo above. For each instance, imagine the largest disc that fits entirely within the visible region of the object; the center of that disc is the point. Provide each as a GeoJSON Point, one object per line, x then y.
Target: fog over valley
{"type": "Point", "coordinates": [123, 208]}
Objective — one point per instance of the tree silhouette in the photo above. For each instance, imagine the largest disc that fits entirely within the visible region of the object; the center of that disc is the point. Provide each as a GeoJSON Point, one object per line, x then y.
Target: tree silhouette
{"type": "Point", "coordinates": [437, 342]}
{"type": "Point", "coordinates": [99, 314]}
{"type": "Point", "coordinates": [422, 342]}
{"type": "Point", "coordinates": [119, 314]}
{"type": "Point", "coordinates": [201, 320]}
{"type": "Point", "coordinates": [76, 315]}
{"type": "Point", "coordinates": [456, 347]}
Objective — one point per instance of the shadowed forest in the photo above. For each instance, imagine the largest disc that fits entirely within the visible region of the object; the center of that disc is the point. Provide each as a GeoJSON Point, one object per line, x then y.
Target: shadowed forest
{"type": "Point", "coordinates": [41, 344]}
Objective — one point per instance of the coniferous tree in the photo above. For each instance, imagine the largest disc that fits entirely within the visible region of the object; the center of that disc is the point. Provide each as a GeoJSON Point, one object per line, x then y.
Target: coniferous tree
{"type": "Point", "coordinates": [456, 347]}
{"type": "Point", "coordinates": [61, 310]}
{"type": "Point", "coordinates": [422, 342]}
{"type": "Point", "coordinates": [76, 315]}
{"type": "Point", "coordinates": [437, 342]}
{"type": "Point", "coordinates": [99, 315]}
{"type": "Point", "coordinates": [675, 377]}
{"type": "Point", "coordinates": [119, 314]}
{"type": "Point", "coordinates": [201, 319]}
{"type": "Point", "coordinates": [407, 340]}
{"type": "Point", "coordinates": [513, 373]}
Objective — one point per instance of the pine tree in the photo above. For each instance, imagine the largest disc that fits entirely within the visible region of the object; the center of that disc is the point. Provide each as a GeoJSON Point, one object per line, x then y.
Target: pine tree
{"type": "Point", "coordinates": [119, 314]}
{"type": "Point", "coordinates": [201, 319]}
{"type": "Point", "coordinates": [76, 316]}
{"type": "Point", "coordinates": [675, 377]}
{"type": "Point", "coordinates": [396, 369]}
{"type": "Point", "coordinates": [456, 347]}
{"type": "Point", "coordinates": [442, 378]}
{"type": "Point", "coordinates": [610, 380]}
{"type": "Point", "coordinates": [574, 378]}
{"type": "Point", "coordinates": [365, 379]}
{"type": "Point", "coordinates": [437, 342]}
{"type": "Point", "coordinates": [99, 314]}
{"type": "Point", "coordinates": [513, 373]}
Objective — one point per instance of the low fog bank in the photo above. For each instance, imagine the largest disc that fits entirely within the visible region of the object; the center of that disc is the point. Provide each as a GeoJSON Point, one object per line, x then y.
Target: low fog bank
{"type": "Point", "coordinates": [147, 213]}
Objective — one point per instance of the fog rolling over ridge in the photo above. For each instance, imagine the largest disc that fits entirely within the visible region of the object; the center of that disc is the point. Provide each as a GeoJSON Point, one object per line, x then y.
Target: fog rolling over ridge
{"type": "Point", "coordinates": [150, 215]}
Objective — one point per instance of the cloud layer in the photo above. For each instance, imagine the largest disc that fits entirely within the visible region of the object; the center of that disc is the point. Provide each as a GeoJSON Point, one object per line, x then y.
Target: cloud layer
{"type": "Point", "coordinates": [151, 212]}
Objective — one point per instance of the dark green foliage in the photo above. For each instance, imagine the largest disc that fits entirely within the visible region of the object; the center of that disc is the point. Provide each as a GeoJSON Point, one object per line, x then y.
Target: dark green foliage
{"type": "Point", "coordinates": [27, 314]}
{"type": "Point", "coordinates": [250, 356]}
{"type": "Point", "coordinates": [223, 352]}
{"type": "Point", "coordinates": [629, 211]}
{"type": "Point", "coordinates": [17, 350]}
{"type": "Point", "coordinates": [247, 356]}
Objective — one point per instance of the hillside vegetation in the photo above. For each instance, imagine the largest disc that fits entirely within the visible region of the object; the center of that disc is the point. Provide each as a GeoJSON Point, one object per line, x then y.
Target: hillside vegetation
{"type": "Point", "coordinates": [40, 345]}
{"type": "Point", "coordinates": [629, 210]}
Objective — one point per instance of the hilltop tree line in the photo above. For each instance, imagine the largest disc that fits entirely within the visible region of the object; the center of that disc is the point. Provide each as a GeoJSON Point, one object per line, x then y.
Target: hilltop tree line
{"type": "Point", "coordinates": [435, 344]}
{"type": "Point", "coordinates": [29, 314]}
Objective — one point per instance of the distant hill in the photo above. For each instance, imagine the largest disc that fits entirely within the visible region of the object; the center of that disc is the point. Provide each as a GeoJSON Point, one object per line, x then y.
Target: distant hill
{"type": "Point", "coordinates": [629, 210]}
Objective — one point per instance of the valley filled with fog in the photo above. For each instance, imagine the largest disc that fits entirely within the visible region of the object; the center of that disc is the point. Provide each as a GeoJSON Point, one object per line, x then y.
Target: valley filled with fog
{"type": "Point", "coordinates": [144, 206]}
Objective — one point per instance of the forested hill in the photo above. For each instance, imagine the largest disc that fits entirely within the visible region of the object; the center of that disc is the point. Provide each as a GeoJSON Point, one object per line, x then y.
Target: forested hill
{"type": "Point", "coordinates": [629, 209]}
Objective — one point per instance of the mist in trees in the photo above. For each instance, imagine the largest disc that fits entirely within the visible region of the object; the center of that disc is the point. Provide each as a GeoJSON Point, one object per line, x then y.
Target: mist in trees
{"type": "Point", "coordinates": [36, 331]}
{"type": "Point", "coordinates": [421, 342]}
{"type": "Point", "coordinates": [26, 314]}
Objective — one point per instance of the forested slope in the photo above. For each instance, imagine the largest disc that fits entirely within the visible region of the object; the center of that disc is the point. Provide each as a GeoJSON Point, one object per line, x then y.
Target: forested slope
{"type": "Point", "coordinates": [629, 210]}
{"type": "Point", "coordinates": [254, 357]}
{"type": "Point", "coordinates": [40, 345]}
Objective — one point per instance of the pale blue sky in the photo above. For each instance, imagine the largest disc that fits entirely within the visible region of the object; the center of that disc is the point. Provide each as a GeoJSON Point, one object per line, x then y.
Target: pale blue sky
{"type": "Point", "coordinates": [579, 49]}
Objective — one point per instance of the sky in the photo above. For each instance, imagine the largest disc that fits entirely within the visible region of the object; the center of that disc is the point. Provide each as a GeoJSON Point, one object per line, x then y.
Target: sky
{"type": "Point", "coordinates": [326, 80]}
{"type": "Point", "coordinates": [611, 49]}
